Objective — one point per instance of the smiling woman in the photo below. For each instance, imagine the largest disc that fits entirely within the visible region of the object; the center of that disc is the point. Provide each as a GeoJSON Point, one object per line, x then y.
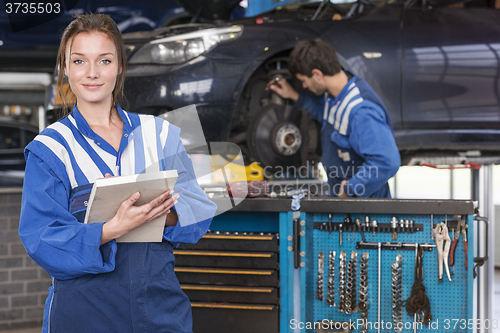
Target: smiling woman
{"type": "Point", "coordinates": [87, 51]}
{"type": "Point", "coordinates": [123, 287]}
{"type": "Point", "coordinates": [92, 69]}
{"type": "Point", "coordinates": [92, 75]}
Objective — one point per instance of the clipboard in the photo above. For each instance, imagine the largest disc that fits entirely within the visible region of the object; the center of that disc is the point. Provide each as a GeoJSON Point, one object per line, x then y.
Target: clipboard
{"type": "Point", "coordinates": [108, 194]}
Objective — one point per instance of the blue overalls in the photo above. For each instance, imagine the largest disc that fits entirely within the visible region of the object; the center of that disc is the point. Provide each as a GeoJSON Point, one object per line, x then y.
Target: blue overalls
{"type": "Point", "coordinates": [357, 140]}
{"type": "Point", "coordinates": [116, 287]}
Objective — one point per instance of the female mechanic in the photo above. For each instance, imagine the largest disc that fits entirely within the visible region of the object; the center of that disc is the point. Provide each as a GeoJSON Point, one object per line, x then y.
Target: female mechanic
{"type": "Point", "coordinates": [99, 285]}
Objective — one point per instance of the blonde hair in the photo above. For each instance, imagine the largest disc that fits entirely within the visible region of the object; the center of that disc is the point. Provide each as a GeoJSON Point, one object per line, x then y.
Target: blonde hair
{"type": "Point", "coordinates": [90, 23]}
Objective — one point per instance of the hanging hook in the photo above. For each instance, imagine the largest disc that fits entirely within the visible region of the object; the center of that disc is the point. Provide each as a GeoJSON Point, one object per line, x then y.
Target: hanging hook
{"type": "Point", "coordinates": [348, 222]}
{"type": "Point", "coordinates": [353, 236]}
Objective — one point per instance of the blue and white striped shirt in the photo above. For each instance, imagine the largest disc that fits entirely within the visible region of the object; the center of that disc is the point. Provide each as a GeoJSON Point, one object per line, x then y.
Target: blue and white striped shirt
{"type": "Point", "coordinates": [68, 156]}
{"type": "Point", "coordinates": [357, 140]}
{"type": "Point", "coordinates": [338, 114]}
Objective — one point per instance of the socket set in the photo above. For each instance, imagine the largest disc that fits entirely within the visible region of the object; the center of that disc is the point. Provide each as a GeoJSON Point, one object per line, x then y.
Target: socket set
{"type": "Point", "coordinates": [342, 271]}
{"type": "Point", "coordinates": [320, 281]}
{"type": "Point", "coordinates": [397, 289]}
{"type": "Point", "coordinates": [363, 292]}
{"type": "Point", "coordinates": [330, 297]}
{"type": "Point", "coordinates": [350, 290]}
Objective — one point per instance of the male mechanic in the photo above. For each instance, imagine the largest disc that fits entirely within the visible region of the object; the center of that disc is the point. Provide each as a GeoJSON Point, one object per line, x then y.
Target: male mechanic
{"type": "Point", "coordinates": [359, 151]}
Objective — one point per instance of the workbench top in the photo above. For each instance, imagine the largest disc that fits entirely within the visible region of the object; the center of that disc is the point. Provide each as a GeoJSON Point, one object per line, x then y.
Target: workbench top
{"type": "Point", "coordinates": [358, 205]}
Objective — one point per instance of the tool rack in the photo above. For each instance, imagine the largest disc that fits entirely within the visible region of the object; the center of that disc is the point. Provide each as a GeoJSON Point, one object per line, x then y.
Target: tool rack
{"type": "Point", "coordinates": [301, 236]}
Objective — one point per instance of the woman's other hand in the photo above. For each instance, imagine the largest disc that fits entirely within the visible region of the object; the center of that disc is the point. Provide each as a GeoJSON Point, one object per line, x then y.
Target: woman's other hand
{"type": "Point", "coordinates": [129, 217]}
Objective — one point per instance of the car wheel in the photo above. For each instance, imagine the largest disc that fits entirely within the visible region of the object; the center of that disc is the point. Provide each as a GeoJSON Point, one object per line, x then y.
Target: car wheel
{"type": "Point", "coordinates": [269, 129]}
{"type": "Point", "coordinates": [280, 137]}
{"type": "Point", "coordinates": [274, 136]}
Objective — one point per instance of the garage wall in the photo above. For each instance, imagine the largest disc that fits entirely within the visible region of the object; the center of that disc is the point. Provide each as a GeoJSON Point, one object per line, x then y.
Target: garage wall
{"type": "Point", "coordinates": [23, 284]}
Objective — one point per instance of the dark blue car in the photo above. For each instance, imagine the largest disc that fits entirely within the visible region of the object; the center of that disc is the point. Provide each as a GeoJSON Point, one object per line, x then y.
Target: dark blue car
{"type": "Point", "coordinates": [434, 63]}
{"type": "Point", "coordinates": [24, 49]}
{"type": "Point", "coordinates": [35, 48]}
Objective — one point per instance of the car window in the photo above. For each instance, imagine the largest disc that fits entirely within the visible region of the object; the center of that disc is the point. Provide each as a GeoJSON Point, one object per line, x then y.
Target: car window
{"type": "Point", "coordinates": [10, 138]}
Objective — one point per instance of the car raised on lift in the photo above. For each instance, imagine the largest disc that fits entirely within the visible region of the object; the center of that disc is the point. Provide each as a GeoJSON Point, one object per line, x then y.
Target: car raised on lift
{"type": "Point", "coordinates": [434, 63]}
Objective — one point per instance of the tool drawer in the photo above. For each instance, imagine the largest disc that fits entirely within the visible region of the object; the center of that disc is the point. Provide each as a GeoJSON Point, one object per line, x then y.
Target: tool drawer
{"type": "Point", "coordinates": [227, 276]}
{"type": "Point", "coordinates": [235, 241]}
{"type": "Point", "coordinates": [261, 260]}
{"type": "Point", "coordinates": [231, 294]}
{"type": "Point", "coordinates": [232, 280]}
{"type": "Point", "coordinates": [241, 318]}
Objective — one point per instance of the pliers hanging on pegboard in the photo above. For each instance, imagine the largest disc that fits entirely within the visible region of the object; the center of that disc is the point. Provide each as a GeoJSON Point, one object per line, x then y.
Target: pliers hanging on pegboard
{"type": "Point", "coordinates": [461, 228]}
{"type": "Point", "coordinates": [443, 242]}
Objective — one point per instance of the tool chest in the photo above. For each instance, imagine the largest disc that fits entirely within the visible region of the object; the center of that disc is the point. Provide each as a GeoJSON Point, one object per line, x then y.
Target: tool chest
{"type": "Point", "coordinates": [232, 279]}
{"type": "Point", "coordinates": [274, 270]}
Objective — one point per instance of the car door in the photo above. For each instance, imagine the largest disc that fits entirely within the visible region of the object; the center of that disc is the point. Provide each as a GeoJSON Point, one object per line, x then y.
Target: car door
{"type": "Point", "coordinates": [11, 148]}
{"type": "Point", "coordinates": [451, 68]}
{"type": "Point", "coordinates": [13, 138]}
{"type": "Point", "coordinates": [370, 47]}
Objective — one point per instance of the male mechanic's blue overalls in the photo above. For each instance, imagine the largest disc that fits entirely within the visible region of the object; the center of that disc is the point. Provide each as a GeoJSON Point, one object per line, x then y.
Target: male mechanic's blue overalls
{"type": "Point", "coordinates": [357, 140]}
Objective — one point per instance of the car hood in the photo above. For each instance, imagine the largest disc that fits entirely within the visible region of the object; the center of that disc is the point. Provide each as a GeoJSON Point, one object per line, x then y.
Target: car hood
{"type": "Point", "coordinates": [298, 10]}
{"type": "Point", "coordinates": [210, 9]}
{"type": "Point", "coordinates": [146, 36]}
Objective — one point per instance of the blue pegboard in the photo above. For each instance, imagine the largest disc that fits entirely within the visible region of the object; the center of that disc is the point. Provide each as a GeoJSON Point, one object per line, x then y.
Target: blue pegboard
{"type": "Point", "coordinates": [450, 301]}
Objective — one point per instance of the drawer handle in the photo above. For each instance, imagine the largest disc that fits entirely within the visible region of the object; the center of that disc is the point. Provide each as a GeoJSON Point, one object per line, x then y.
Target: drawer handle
{"type": "Point", "coordinates": [222, 254]}
{"type": "Point", "coordinates": [220, 271]}
{"type": "Point", "coordinates": [217, 288]}
{"type": "Point", "coordinates": [231, 306]}
{"type": "Point", "coordinates": [259, 238]}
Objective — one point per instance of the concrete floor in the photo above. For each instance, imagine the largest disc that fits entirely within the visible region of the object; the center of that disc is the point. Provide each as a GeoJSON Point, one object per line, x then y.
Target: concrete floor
{"type": "Point", "coordinates": [496, 309]}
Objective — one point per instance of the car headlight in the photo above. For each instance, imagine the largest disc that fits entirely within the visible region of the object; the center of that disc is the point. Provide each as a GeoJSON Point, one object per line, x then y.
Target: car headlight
{"type": "Point", "coordinates": [184, 47]}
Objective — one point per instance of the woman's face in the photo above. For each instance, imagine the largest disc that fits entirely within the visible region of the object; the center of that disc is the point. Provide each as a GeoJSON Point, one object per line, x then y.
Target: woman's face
{"type": "Point", "coordinates": [92, 67]}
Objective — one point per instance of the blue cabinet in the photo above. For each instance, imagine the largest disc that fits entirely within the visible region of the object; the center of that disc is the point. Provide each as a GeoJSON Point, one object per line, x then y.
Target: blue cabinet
{"type": "Point", "coordinates": [304, 298]}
